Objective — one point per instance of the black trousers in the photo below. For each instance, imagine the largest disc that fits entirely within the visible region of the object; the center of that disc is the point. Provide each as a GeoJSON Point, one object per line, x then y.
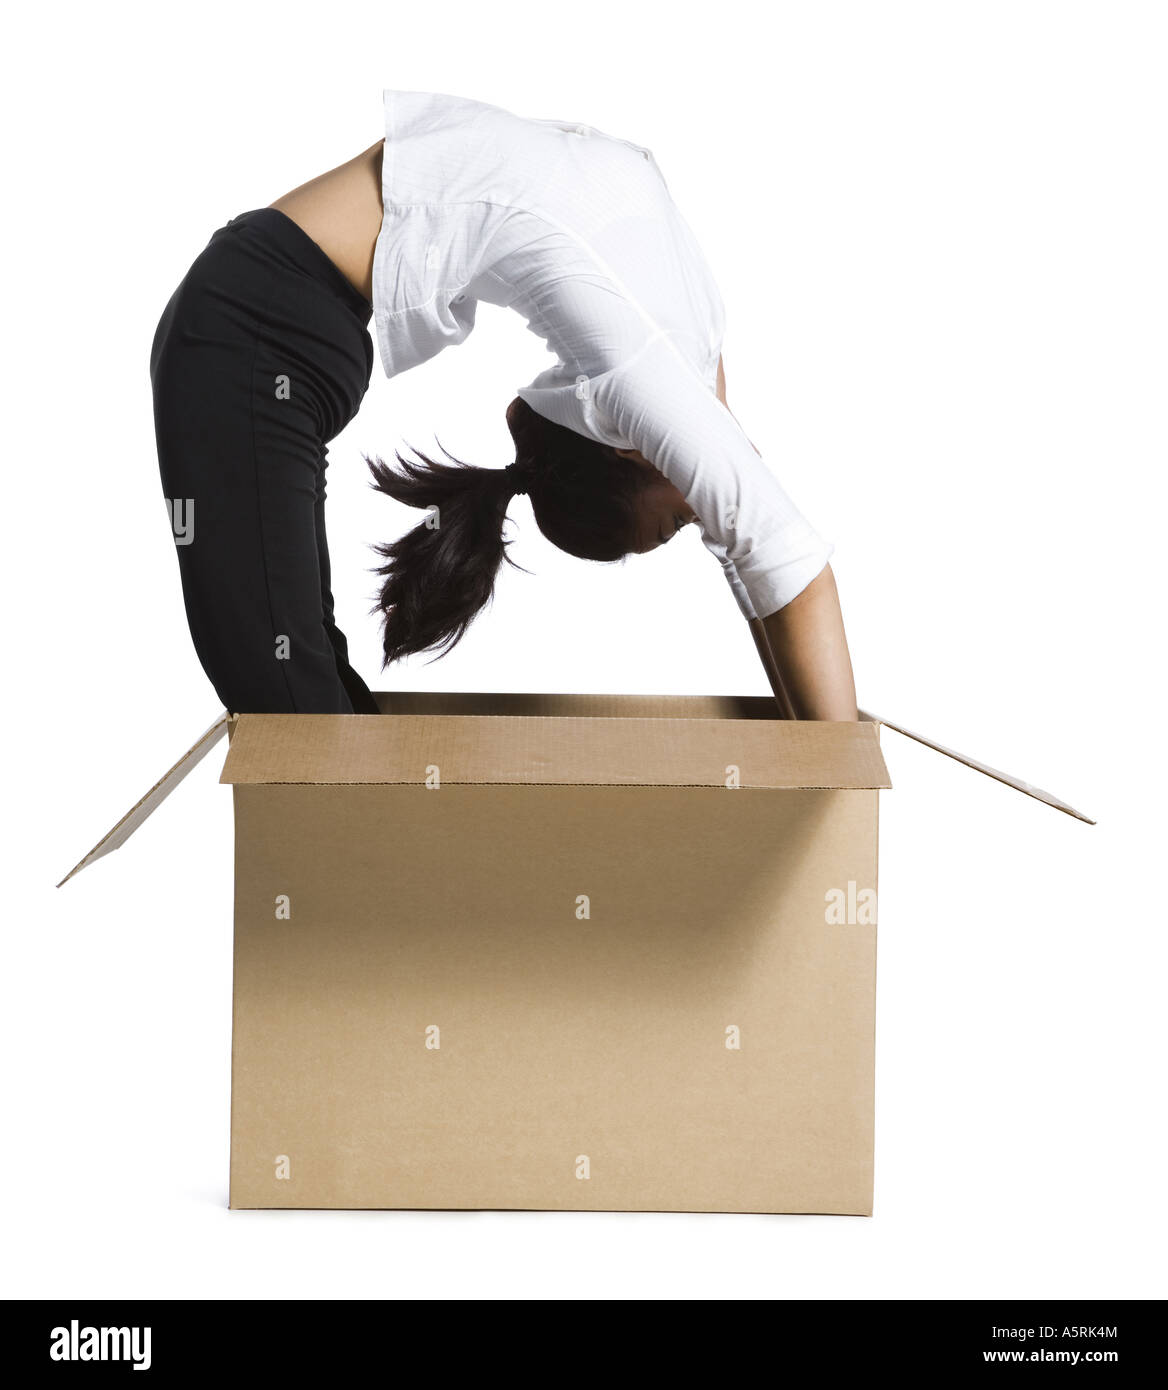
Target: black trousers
{"type": "Point", "coordinates": [261, 357]}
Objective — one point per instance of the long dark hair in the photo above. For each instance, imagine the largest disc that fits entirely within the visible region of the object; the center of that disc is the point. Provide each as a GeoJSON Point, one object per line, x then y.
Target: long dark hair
{"type": "Point", "coordinates": [438, 576]}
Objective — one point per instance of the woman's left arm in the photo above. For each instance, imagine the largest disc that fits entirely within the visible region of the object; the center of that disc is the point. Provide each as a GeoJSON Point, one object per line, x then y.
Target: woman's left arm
{"type": "Point", "coordinates": [656, 404]}
{"type": "Point", "coordinates": [803, 647]}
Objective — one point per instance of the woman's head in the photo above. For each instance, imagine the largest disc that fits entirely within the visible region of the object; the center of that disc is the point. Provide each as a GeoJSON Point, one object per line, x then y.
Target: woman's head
{"type": "Point", "coordinates": [590, 500]}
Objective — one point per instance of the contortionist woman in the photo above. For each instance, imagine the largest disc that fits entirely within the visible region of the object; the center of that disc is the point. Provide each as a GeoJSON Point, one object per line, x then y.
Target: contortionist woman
{"type": "Point", "coordinates": [264, 354]}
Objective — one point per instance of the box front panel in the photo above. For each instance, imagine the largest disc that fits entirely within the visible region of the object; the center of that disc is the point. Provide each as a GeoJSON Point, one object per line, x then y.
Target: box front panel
{"type": "Point", "coordinates": [554, 997]}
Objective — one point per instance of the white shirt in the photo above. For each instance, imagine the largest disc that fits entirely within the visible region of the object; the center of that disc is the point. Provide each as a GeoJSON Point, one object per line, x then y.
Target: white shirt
{"type": "Point", "coordinates": [576, 231]}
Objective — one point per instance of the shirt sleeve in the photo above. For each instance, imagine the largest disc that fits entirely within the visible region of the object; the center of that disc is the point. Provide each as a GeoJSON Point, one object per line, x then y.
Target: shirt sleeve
{"type": "Point", "coordinates": [659, 405]}
{"type": "Point", "coordinates": [737, 587]}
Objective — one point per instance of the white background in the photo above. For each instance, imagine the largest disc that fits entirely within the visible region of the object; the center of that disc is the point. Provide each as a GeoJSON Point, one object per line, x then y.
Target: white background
{"type": "Point", "coordinates": [939, 230]}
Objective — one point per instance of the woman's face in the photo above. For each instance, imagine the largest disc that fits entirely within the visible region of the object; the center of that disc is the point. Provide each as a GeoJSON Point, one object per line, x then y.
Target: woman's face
{"type": "Point", "coordinates": [661, 509]}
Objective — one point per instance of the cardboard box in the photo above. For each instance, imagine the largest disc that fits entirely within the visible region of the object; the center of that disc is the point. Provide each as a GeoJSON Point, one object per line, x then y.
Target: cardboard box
{"type": "Point", "coordinates": [553, 951]}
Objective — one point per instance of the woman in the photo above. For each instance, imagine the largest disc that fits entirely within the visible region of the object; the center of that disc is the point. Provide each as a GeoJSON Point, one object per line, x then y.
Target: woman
{"type": "Point", "coordinates": [263, 355]}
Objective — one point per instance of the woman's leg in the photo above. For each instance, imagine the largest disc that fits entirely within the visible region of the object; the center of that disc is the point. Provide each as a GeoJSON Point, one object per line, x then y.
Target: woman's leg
{"type": "Point", "coordinates": [244, 491]}
{"type": "Point", "coordinates": [255, 363]}
{"type": "Point", "coordinates": [358, 692]}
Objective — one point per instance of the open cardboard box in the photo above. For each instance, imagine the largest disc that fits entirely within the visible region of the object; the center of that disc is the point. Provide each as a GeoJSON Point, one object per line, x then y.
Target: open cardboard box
{"type": "Point", "coordinates": [572, 952]}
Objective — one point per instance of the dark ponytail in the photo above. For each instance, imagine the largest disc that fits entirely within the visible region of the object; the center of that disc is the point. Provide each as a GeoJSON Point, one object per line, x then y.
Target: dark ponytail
{"type": "Point", "coordinates": [438, 576]}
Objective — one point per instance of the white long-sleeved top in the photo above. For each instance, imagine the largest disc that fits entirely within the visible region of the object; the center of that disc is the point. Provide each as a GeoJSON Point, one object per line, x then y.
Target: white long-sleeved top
{"type": "Point", "coordinates": [576, 230]}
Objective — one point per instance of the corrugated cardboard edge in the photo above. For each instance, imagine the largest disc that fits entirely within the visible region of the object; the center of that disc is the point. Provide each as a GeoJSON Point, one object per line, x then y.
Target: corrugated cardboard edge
{"type": "Point", "coordinates": [1016, 782]}
{"type": "Point", "coordinates": [538, 750]}
{"type": "Point", "coordinates": [154, 797]}
{"type": "Point", "coordinates": [750, 707]}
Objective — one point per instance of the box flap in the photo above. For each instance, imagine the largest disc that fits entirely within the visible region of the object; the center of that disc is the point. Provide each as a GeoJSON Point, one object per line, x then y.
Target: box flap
{"type": "Point", "coordinates": [540, 749]}
{"type": "Point", "coordinates": [1015, 782]}
{"type": "Point", "coordinates": [154, 797]}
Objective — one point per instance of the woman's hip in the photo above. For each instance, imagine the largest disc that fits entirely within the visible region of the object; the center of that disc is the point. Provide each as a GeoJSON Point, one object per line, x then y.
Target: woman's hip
{"type": "Point", "coordinates": [264, 313]}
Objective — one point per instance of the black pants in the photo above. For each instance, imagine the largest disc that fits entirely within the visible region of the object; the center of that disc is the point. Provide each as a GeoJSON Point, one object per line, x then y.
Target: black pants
{"type": "Point", "coordinates": [262, 356]}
